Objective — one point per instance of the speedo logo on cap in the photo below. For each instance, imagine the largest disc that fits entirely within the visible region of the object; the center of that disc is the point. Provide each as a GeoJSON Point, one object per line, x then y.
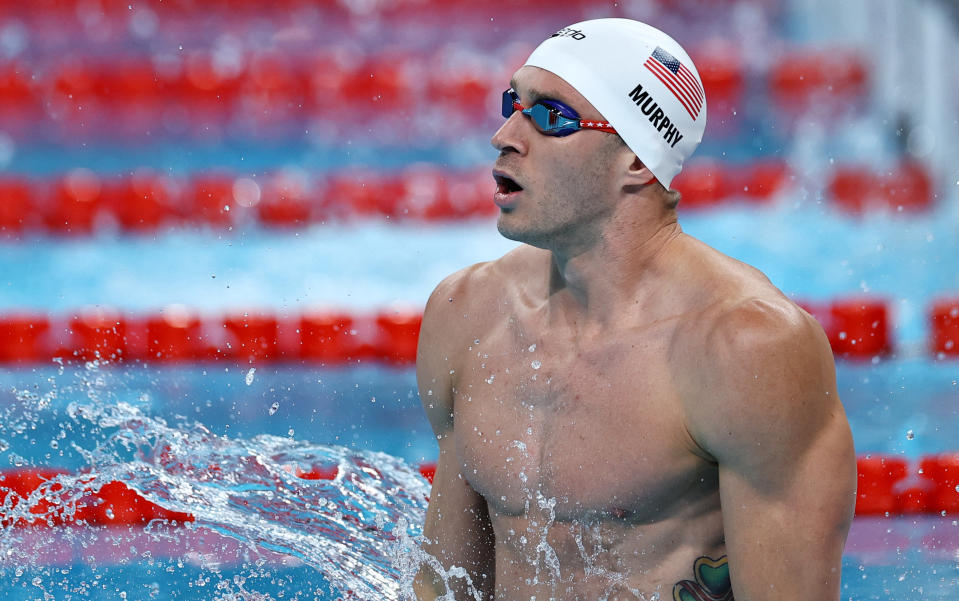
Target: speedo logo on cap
{"type": "Point", "coordinates": [566, 32]}
{"type": "Point", "coordinates": [657, 116]}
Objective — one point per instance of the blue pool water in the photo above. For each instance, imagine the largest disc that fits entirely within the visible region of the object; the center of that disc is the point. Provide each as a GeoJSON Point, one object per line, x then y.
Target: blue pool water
{"type": "Point", "coordinates": [370, 408]}
{"type": "Point", "coordinates": [907, 404]}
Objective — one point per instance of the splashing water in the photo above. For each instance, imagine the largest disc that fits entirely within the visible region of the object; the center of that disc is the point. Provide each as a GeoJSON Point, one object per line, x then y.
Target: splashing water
{"type": "Point", "coordinates": [351, 528]}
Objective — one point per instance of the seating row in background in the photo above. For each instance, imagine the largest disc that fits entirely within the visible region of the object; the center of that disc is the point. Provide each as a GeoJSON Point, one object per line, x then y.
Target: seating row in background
{"type": "Point", "coordinates": [857, 328]}
{"type": "Point", "coordinates": [81, 201]}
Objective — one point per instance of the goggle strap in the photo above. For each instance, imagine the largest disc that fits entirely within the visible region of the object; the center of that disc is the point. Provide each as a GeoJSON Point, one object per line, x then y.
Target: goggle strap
{"type": "Point", "coordinates": [600, 125]}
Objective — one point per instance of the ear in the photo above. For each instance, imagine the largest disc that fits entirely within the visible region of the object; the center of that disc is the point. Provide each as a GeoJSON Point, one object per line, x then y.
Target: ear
{"type": "Point", "coordinates": [637, 174]}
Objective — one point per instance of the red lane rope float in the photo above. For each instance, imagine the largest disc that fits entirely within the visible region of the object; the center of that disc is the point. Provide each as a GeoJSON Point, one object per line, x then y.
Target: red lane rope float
{"type": "Point", "coordinates": [179, 334]}
{"type": "Point", "coordinates": [887, 486]}
{"type": "Point", "coordinates": [944, 320]}
{"type": "Point", "coordinates": [803, 78]}
{"type": "Point", "coordinates": [891, 486]}
{"type": "Point", "coordinates": [857, 329]}
{"type": "Point", "coordinates": [257, 89]}
{"type": "Point", "coordinates": [79, 202]}
{"type": "Point", "coordinates": [858, 189]}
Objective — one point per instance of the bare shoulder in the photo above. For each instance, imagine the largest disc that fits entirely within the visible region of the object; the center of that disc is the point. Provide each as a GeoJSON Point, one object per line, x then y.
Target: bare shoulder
{"type": "Point", "coordinates": [471, 292]}
{"type": "Point", "coordinates": [759, 369]}
{"type": "Point", "coordinates": [463, 307]}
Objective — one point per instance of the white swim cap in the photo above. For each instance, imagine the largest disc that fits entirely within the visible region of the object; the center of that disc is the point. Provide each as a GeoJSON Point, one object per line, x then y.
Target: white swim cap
{"type": "Point", "coordinates": [640, 80]}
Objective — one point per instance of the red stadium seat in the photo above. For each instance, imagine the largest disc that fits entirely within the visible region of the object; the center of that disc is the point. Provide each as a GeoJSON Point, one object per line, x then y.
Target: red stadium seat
{"type": "Point", "coordinates": [944, 317]}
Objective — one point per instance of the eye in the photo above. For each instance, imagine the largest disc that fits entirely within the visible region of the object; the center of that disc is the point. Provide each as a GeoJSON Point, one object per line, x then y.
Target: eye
{"type": "Point", "coordinates": [561, 109]}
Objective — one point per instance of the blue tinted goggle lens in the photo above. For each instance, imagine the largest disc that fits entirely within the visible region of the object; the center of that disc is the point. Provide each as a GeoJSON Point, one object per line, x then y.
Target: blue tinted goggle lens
{"type": "Point", "coordinates": [546, 119]}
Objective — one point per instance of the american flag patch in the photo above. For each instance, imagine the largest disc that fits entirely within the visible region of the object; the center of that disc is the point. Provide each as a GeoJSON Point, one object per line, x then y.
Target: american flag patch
{"type": "Point", "coordinates": [680, 80]}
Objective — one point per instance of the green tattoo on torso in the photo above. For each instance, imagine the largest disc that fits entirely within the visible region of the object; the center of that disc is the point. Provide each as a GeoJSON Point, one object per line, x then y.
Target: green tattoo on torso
{"type": "Point", "coordinates": [711, 582]}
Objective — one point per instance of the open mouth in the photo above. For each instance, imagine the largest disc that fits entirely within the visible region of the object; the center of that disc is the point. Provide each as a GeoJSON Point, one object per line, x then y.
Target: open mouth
{"type": "Point", "coordinates": [506, 185]}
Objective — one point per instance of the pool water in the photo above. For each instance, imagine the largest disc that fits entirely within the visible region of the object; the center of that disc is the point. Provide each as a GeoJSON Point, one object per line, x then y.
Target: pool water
{"type": "Point", "coordinates": [374, 408]}
{"type": "Point", "coordinates": [252, 537]}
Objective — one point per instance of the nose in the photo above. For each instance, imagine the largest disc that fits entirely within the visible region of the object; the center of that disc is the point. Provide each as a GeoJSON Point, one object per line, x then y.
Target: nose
{"type": "Point", "coordinates": [511, 136]}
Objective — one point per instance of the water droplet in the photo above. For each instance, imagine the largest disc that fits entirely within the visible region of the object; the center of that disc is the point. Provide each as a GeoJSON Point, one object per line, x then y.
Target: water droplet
{"type": "Point", "coordinates": [536, 364]}
{"type": "Point", "coordinates": [249, 376]}
{"type": "Point", "coordinates": [532, 348]}
{"type": "Point", "coordinates": [910, 434]}
{"type": "Point", "coordinates": [274, 407]}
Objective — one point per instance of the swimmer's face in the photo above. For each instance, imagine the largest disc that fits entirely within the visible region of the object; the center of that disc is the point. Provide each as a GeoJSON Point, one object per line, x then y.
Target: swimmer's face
{"type": "Point", "coordinates": [550, 190]}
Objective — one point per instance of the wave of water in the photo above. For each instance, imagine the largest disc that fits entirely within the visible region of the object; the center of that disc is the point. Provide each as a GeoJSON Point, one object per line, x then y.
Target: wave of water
{"type": "Point", "coordinates": [361, 529]}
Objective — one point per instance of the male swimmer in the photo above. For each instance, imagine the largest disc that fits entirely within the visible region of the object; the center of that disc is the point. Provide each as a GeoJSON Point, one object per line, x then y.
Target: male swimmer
{"type": "Point", "coordinates": [623, 412]}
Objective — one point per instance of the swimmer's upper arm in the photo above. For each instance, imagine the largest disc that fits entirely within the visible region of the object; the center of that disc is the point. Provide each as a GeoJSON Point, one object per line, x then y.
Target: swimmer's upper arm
{"type": "Point", "coordinates": [433, 359]}
{"type": "Point", "coordinates": [770, 415]}
{"type": "Point", "coordinates": [457, 528]}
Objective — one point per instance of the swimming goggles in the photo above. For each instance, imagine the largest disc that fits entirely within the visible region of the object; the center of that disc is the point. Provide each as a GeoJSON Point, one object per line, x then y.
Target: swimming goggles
{"type": "Point", "coordinates": [551, 117]}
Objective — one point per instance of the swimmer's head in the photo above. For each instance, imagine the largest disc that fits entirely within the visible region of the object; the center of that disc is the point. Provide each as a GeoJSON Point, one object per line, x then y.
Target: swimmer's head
{"type": "Point", "coordinates": [641, 81]}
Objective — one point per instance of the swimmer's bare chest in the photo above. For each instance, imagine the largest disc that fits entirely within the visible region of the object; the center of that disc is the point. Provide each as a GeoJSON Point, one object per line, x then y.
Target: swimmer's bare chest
{"type": "Point", "coordinates": [580, 434]}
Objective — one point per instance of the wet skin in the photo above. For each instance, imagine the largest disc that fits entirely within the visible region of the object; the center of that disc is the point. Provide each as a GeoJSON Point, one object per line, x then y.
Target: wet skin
{"type": "Point", "coordinates": [615, 400]}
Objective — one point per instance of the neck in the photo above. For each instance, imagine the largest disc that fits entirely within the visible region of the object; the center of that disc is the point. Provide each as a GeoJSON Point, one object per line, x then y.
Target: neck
{"type": "Point", "coordinates": [597, 283]}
